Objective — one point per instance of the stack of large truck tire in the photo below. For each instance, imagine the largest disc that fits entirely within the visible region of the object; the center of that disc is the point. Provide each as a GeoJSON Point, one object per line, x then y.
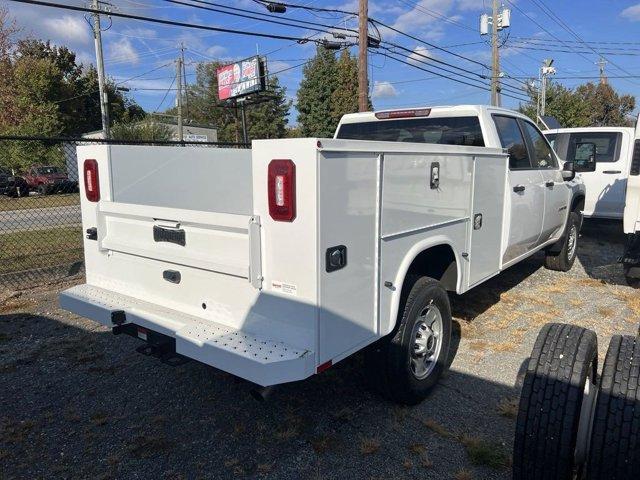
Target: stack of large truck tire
{"type": "Point", "coordinates": [573, 423]}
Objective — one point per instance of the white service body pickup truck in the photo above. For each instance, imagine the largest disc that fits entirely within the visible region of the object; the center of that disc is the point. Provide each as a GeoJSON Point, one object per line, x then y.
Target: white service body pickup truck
{"type": "Point", "coordinates": [606, 186]}
{"type": "Point", "coordinates": [631, 222]}
{"type": "Point", "coordinates": [276, 262]}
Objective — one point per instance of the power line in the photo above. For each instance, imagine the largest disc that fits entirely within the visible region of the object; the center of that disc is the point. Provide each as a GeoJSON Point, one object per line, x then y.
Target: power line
{"type": "Point", "coordinates": [166, 94]}
{"type": "Point", "coordinates": [482, 86]}
{"type": "Point", "coordinates": [306, 7]}
{"type": "Point", "coordinates": [567, 28]}
{"type": "Point", "coordinates": [551, 48]}
{"type": "Point", "coordinates": [591, 42]}
{"type": "Point", "coordinates": [256, 15]}
{"type": "Point", "coordinates": [423, 42]}
{"type": "Point", "coordinates": [437, 15]}
{"type": "Point", "coordinates": [165, 22]}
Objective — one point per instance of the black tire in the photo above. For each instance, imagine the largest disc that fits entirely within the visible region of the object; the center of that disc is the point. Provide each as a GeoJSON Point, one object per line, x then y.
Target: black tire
{"type": "Point", "coordinates": [563, 358]}
{"type": "Point", "coordinates": [615, 437]}
{"type": "Point", "coordinates": [389, 362]}
{"type": "Point", "coordinates": [563, 259]}
{"type": "Point", "coordinates": [632, 281]}
{"type": "Point", "coordinates": [42, 189]}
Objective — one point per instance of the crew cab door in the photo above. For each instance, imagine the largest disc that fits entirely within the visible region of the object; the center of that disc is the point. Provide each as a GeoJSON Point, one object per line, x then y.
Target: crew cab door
{"type": "Point", "coordinates": [555, 192]}
{"type": "Point", "coordinates": [606, 186]}
{"type": "Point", "coordinates": [526, 191]}
{"type": "Point", "coordinates": [632, 206]}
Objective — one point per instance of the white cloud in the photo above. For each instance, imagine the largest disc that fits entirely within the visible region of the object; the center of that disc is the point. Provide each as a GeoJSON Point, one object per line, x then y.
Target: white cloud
{"type": "Point", "coordinates": [123, 51]}
{"type": "Point", "coordinates": [632, 13]}
{"type": "Point", "coordinates": [67, 29]}
{"type": "Point", "coordinates": [384, 90]}
{"type": "Point", "coordinates": [418, 55]}
{"type": "Point", "coordinates": [216, 51]}
{"type": "Point", "coordinates": [425, 18]}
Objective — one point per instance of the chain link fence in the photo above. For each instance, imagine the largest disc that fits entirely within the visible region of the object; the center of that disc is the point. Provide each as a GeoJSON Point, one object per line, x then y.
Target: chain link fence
{"type": "Point", "coordinates": [40, 224]}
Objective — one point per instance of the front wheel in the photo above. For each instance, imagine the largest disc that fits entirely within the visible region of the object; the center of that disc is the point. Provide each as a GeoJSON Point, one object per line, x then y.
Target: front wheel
{"type": "Point", "coordinates": [410, 360]}
{"type": "Point", "coordinates": [563, 260]}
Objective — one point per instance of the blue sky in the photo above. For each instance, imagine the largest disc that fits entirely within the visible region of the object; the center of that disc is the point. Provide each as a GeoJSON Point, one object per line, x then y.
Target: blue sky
{"type": "Point", "coordinates": [134, 48]}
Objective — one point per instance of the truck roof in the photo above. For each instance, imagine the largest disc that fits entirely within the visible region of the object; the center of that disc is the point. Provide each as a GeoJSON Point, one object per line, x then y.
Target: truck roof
{"type": "Point", "coordinates": [436, 111]}
{"type": "Point", "coordinates": [590, 129]}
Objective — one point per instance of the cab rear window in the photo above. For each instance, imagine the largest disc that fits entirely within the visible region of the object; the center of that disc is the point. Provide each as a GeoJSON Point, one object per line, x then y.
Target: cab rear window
{"type": "Point", "coordinates": [442, 131]}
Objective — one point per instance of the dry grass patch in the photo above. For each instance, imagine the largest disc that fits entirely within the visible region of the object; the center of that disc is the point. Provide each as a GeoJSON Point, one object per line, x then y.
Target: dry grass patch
{"type": "Point", "coordinates": [323, 443]}
{"type": "Point", "coordinates": [482, 452]}
{"type": "Point", "coordinates": [508, 407]}
{"type": "Point", "coordinates": [149, 445]}
{"type": "Point", "coordinates": [631, 300]}
{"type": "Point", "coordinates": [463, 475]}
{"type": "Point", "coordinates": [576, 302]}
{"type": "Point", "coordinates": [369, 446]}
{"type": "Point", "coordinates": [99, 419]}
{"type": "Point", "coordinates": [435, 427]}
{"type": "Point", "coordinates": [606, 312]}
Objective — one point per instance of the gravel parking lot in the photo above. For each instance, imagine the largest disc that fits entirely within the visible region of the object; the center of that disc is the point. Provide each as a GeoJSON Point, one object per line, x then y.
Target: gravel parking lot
{"type": "Point", "coordinates": [78, 402]}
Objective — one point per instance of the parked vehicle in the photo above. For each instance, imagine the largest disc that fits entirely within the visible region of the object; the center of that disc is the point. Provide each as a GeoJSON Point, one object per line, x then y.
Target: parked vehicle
{"type": "Point", "coordinates": [606, 186]}
{"type": "Point", "coordinates": [49, 179]}
{"type": "Point", "coordinates": [12, 185]}
{"type": "Point", "coordinates": [275, 263]}
{"type": "Point", "coordinates": [631, 223]}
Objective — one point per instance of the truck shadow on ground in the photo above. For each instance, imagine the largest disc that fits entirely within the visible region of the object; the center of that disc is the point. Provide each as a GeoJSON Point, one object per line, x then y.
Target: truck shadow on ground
{"type": "Point", "coordinates": [78, 403]}
{"type": "Point", "coordinates": [602, 244]}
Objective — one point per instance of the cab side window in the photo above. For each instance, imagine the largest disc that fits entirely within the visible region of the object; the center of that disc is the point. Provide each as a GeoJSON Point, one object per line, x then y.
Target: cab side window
{"type": "Point", "coordinates": [542, 155]}
{"type": "Point", "coordinates": [512, 139]}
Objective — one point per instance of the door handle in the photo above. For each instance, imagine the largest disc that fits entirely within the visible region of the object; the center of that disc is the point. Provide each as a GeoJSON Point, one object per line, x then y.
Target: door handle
{"type": "Point", "coordinates": [612, 172]}
{"type": "Point", "coordinates": [550, 184]}
{"type": "Point", "coordinates": [519, 188]}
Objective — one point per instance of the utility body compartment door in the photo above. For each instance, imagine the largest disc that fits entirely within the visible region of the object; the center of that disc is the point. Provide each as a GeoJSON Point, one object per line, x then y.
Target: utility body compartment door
{"type": "Point", "coordinates": [487, 219]}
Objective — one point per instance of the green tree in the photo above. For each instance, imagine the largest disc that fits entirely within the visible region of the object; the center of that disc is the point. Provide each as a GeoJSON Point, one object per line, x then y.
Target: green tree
{"type": "Point", "coordinates": [606, 107]}
{"type": "Point", "coordinates": [588, 105]}
{"type": "Point", "coordinates": [316, 115]}
{"type": "Point", "coordinates": [345, 97]}
{"type": "Point", "coordinates": [269, 119]}
{"type": "Point", "coordinates": [145, 131]}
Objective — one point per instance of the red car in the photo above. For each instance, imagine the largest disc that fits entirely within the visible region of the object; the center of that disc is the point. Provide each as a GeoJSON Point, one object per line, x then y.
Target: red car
{"type": "Point", "coordinates": [49, 179]}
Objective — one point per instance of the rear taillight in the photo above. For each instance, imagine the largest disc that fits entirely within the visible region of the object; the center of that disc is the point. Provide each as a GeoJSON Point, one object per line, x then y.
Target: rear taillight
{"type": "Point", "coordinates": [91, 181]}
{"type": "Point", "coordinates": [282, 190]}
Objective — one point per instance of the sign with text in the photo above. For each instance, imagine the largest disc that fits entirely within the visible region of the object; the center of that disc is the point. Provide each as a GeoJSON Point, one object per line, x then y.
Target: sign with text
{"type": "Point", "coordinates": [240, 78]}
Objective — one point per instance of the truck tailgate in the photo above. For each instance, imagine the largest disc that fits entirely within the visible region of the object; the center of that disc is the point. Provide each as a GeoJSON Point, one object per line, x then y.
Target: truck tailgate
{"type": "Point", "coordinates": [217, 242]}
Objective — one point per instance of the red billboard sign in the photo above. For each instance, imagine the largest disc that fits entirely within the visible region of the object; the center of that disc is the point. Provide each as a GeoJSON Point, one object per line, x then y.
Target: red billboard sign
{"type": "Point", "coordinates": [240, 78]}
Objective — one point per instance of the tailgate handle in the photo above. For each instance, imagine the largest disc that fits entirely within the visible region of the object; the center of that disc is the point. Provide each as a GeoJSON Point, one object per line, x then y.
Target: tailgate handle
{"type": "Point", "coordinates": [170, 235]}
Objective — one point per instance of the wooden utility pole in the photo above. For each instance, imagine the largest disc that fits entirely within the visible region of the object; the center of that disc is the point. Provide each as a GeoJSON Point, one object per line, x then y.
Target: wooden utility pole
{"type": "Point", "coordinates": [104, 101]}
{"type": "Point", "coordinates": [495, 57]}
{"type": "Point", "coordinates": [179, 96]}
{"type": "Point", "coordinates": [363, 43]}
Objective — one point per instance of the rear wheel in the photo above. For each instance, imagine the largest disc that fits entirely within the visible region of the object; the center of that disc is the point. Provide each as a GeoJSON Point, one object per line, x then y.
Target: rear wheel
{"type": "Point", "coordinates": [408, 363]}
{"type": "Point", "coordinates": [563, 260]}
{"type": "Point", "coordinates": [632, 280]}
{"type": "Point", "coordinates": [615, 439]}
{"type": "Point", "coordinates": [555, 405]}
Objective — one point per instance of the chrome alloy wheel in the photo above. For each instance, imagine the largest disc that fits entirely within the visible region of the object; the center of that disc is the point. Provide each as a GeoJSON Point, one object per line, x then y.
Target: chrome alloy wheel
{"type": "Point", "coordinates": [572, 241]}
{"type": "Point", "coordinates": [426, 341]}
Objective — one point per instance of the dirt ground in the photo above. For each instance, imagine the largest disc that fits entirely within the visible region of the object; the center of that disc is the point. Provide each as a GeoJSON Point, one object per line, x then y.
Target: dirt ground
{"type": "Point", "coordinates": [78, 402]}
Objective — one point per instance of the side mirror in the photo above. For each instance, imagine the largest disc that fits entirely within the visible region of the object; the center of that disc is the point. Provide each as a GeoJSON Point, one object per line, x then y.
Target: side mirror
{"type": "Point", "coordinates": [585, 158]}
{"type": "Point", "coordinates": [568, 171]}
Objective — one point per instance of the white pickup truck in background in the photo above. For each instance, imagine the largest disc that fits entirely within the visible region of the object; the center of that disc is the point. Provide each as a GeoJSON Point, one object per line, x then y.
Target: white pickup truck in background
{"type": "Point", "coordinates": [275, 263]}
{"type": "Point", "coordinates": [606, 186]}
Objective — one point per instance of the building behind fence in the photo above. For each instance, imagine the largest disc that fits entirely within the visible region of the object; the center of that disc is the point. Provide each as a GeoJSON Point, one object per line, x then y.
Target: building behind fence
{"type": "Point", "coordinates": [41, 234]}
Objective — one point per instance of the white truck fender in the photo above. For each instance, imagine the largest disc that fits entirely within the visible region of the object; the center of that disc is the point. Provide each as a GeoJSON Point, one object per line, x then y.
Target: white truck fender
{"type": "Point", "coordinates": [410, 256]}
